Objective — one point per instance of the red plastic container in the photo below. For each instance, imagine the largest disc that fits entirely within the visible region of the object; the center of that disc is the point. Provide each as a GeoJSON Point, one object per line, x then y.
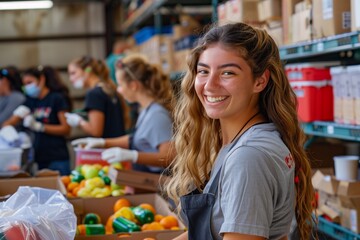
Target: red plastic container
{"type": "Point", "coordinates": [312, 85]}
{"type": "Point", "coordinates": [89, 156]}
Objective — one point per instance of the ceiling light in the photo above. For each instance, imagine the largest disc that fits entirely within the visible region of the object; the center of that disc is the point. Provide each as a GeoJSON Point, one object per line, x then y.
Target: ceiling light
{"type": "Point", "coordinates": [17, 5]}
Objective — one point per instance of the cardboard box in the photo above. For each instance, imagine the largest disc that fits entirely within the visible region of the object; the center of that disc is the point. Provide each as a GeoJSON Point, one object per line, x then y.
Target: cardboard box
{"type": "Point", "coordinates": [333, 214]}
{"type": "Point", "coordinates": [355, 15]}
{"type": "Point", "coordinates": [137, 179]}
{"type": "Point", "coordinates": [269, 10]}
{"type": "Point", "coordinates": [301, 26]}
{"type": "Point", "coordinates": [275, 30]}
{"type": "Point", "coordinates": [288, 9]}
{"type": "Point", "coordinates": [349, 194]}
{"type": "Point", "coordinates": [325, 183]}
{"type": "Point", "coordinates": [327, 187]}
{"type": "Point", "coordinates": [10, 186]}
{"type": "Point", "coordinates": [332, 17]}
{"type": "Point", "coordinates": [180, 60]}
{"type": "Point", "coordinates": [350, 218]}
{"type": "Point", "coordinates": [158, 235]}
{"type": "Point", "coordinates": [241, 11]}
{"type": "Point", "coordinates": [104, 208]}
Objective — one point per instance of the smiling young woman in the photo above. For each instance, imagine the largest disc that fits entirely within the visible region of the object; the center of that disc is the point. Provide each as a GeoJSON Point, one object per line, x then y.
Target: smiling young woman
{"type": "Point", "coordinates": [238, 141]}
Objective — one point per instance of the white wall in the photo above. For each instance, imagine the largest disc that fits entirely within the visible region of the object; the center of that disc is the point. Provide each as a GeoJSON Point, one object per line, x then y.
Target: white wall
{"type": "Point", "coordinates": [64, 19]}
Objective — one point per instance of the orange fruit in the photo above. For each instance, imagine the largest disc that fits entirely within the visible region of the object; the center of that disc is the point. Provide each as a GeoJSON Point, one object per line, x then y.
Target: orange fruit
{"type": "Point", "coordinates": [69, 195]}
{"type": "Point", "coordinates": [148, 207]}
{"type": "Point", "coordinates": [152, 226]}
{"type": "Point", "coordinates": [149, 239]}
{"type": "Point", "coordinates": [71, 186]}
{"type": "Point", "coordinates": [169, 221]}
{"type": "Point", "coordinates": [175, 228]}
{"type": "Point", "coordinates": [109, 224]}
{"type": "Point", "coordinates": [65, 180]}
{"type": "Point", "coordinates": [121, 202]}
{"type": "Point", "coordinates": [82, 183]}
{"type": "Point", "coordinates": [75, 190]}
{"type": "Point", "coordinates": [158, 217]}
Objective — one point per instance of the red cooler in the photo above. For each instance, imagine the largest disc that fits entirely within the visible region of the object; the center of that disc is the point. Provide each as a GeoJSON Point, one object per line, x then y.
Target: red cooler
{"type": "Point", "coordinates": [312, 85]}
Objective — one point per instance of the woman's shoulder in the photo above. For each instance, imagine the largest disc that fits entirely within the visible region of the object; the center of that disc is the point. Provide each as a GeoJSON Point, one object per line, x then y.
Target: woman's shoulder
{"type": "Point", "coordinates": [17, 96]}
{"type": "Point", "coordinates": [157, 107]}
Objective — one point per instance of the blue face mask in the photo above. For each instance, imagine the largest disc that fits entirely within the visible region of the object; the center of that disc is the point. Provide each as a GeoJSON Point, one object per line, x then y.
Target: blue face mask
{"type": "Point", "coordinates": [32, 90]}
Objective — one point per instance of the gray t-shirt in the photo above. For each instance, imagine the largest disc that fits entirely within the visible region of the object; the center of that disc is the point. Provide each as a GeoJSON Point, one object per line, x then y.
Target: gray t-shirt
{"type": "Point", "coordinates": [9, 103]}
{"type": "Point", "coordinates": [153, 127]}
{"type": "Point", "coordinates": [256, 192]}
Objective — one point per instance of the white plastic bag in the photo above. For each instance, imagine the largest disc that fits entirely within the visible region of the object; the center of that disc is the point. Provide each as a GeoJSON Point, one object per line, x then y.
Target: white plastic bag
{"type": "Point", "coordinates": [34, 213]}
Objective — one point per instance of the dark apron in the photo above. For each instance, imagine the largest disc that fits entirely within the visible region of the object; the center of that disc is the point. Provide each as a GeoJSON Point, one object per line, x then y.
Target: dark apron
{"type": "Point", "coordinates": [197, 207]}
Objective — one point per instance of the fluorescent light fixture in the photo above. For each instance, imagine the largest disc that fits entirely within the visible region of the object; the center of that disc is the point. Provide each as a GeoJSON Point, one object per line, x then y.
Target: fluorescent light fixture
{"type": "Point", "coordinates": [17, 5]}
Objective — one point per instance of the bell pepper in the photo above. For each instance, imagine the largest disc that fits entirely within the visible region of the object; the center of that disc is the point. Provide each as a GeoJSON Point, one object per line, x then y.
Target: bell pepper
{"type": "Point", "coordinates": [76, 176]}
{"type": "Point", "coordinates": [121, 224]}
{"type": "Point", "coordinates": [143, 215]}
{"type": "Point", "coordinates": [90, 229]}
{"type": "Point", "coordinates": [91, 218]}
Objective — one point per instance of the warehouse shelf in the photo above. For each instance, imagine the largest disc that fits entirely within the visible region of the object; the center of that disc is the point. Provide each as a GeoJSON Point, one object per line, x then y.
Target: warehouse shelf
{"type": "Point", "coordinates": [332, 130]}
{"type": "Point", "coordinates": [344, 47]}
{"type": "Point", "coordinates": [150, 7]}
{"type": "Point", "coordinates": [336, 231]}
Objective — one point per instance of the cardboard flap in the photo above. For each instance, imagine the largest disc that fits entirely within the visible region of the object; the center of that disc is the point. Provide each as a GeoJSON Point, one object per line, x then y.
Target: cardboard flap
{"type": "Point", "coordinates": [331, 213]}
{"type": "Point", "coordinates": [325, 183]}
{"type": "Point", "coordinates": [349, 188]}
{"type": "Point", "coordinates": [10, 186]}
{"type": "Point", "coordinates": [350, 201]}
{"type": "Point", "coordinates": [137, 179]}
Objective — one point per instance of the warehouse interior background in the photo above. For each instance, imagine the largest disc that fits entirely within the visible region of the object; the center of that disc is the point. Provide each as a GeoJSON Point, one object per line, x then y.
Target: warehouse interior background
{"type": "Point", "coordinates": [311, 32]}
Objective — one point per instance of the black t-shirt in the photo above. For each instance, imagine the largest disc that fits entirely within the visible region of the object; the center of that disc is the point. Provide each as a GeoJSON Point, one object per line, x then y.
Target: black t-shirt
{"type": "Point", "coordinates": [48, 148]}
{"type": "Point", "coordinates": [97, 99]}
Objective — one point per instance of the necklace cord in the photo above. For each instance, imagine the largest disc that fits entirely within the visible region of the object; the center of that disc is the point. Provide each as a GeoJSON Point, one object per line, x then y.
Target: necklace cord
{"type": "Point", "coordinates": [237, 134]}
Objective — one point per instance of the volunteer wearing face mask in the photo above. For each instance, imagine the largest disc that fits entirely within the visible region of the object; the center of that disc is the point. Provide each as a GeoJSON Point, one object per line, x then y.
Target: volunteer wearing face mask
{"type": "Point", "coordinates": [44, 114]}
{"type": "Point", "coordinates": [107, 114]}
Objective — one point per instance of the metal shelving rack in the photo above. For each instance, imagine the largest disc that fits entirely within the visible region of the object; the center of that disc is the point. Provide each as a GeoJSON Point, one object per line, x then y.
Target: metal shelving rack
{"type": "Point", "coordinates": [150, 9]}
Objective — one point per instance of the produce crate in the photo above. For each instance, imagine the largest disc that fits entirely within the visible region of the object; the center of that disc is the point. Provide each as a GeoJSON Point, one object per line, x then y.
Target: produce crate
{"type": "Point", "coordinates": [336, 231]}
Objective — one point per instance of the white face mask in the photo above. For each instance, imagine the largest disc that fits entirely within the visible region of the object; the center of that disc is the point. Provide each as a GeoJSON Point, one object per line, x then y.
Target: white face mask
{"type": "Point", "coordinates": [79, 83]}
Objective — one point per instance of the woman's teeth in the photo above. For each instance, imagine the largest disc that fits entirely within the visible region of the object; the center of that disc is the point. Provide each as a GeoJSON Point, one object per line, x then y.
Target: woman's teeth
{"type": "Point", "coordinates": [215, 99]}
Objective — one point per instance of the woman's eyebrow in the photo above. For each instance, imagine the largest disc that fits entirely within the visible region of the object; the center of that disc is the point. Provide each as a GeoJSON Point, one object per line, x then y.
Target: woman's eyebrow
{"type": "Point", "coordinates": [221, 66]}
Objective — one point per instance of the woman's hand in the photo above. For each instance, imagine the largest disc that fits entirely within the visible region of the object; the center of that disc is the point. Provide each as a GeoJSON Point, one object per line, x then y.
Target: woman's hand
{"type": "Point", "coordinates": [73, 119]}
{"type": "Point", "coordinates": [89, 142]}
{"type": "Point", "coordinates": [117, 154]}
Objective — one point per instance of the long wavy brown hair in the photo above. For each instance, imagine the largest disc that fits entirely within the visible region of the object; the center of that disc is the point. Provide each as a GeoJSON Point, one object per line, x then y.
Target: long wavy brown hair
{"type": "Point", "coordinates": [198, 138]}
{"type": "Point", "coordinates": [155, 82]}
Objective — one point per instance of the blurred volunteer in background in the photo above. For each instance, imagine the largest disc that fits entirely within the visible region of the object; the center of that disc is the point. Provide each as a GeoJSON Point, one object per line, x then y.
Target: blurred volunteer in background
{"type": "Point", "coordinates": [149, 145]}
{"type": "Point", "coordinates": [11, 95]}
{"type": "Point", "coordinates": [107, 114]}
{"type": "Point", "coordinates": [44, 114]}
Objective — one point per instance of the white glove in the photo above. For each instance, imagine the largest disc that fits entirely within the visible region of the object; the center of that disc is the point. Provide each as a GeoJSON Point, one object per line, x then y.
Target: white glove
{"type": "Point", "coordinates": [9, 134]}
{"type": "Point", "coordinates": [73, 119]}
{"type": "Point", "coordinates": [117, 154]}
{"type": "Point", "coordinates": [34, 125]}
{"type": "Point", "coordinates": [21, 111]}
{"type": "Point", "coordinates": [89, 142]}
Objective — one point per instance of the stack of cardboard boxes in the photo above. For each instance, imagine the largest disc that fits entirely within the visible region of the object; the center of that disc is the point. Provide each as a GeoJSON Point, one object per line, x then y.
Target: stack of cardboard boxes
{"type": "Point", "coordinates": [338, 200]}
